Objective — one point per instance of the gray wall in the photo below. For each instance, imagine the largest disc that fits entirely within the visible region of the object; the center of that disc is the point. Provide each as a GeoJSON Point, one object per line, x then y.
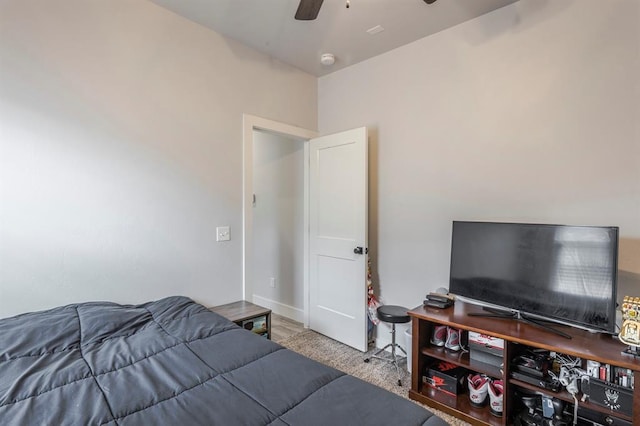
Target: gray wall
{"type": "Point", "coordinates": [121, 151]}
{"type": "Point", "coordinates": [529, 113]}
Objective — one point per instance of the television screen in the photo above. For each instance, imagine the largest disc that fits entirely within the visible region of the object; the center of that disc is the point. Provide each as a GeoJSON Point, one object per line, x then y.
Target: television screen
{"type": "Point", "coordinates": [561, 273]}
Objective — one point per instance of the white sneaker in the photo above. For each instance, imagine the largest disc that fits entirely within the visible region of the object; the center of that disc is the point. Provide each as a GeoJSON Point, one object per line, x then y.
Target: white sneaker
{"type": "Point", "coordinates": [478, 388]}
{"type": "Point", "coordinates": [496, 390]}
{"type": "Point", "coordinates": [439, 335]}
{"type": "Point", "coordinates": [453, 339]}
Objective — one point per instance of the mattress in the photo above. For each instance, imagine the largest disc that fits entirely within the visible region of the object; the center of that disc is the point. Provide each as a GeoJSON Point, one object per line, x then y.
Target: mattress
{"type": "Point", "coordinates": [173, 362]}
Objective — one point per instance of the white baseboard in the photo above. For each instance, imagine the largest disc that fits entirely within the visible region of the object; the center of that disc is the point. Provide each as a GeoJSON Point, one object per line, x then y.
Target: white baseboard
{"type": "Point", "coordinates": [288, 311]}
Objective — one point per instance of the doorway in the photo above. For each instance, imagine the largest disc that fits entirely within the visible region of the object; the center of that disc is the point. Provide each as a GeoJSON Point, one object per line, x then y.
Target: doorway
{"type": "Point", "coordinates": [275, 208]}
{"type": "Point", "coordinates": [332, 248]}
{"type": "Point", "coordinates": [278, 223]}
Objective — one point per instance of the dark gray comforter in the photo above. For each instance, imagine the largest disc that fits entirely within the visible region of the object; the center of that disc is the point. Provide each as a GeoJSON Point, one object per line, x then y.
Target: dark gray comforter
{"type": "Point", "coordinates": [173, 362]}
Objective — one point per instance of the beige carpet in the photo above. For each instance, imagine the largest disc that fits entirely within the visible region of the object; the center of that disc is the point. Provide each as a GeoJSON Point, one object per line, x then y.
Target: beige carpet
{"type": "Point", "coordinates": [351, 361]}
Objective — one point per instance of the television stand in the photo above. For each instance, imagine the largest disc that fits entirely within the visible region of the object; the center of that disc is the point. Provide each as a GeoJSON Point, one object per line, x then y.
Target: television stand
{"type": "Point", "coordinates": [497, 313]}
{"type": "Point", "coordinates": [519, 338]}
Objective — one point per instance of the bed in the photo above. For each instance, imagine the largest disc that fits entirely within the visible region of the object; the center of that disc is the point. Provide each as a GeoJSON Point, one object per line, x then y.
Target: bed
{"type": "Point", "coordinates": [173, 362]}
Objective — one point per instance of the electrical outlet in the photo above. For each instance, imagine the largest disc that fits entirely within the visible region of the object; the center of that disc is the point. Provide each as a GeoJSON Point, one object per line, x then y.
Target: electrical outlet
{"type": "Point", "coordinates": [222, 233]}
{"type": "Point", "coordinates": [272, 282]}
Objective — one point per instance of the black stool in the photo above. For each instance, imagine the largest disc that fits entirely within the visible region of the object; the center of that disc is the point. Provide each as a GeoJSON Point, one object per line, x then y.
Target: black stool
{"type": "Point", "coordinates": [394, 315]}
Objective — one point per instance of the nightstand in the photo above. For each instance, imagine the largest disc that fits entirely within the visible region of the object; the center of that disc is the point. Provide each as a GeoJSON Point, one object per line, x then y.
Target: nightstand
{"type": "Point", "coordinates": [247, 315]}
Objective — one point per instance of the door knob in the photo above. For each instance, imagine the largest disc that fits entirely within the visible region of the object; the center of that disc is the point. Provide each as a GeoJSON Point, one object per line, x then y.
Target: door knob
{"type": "Point", "coordinates": [359, 250]}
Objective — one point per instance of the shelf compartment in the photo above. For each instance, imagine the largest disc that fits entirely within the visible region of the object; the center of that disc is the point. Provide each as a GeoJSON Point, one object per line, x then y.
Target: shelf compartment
{"type": "Point", "coordinates": [459, 407]}
{"type": "Point", "coordinates": [566, 396]}
{"type": "Point", "coordinates": [462, 359]}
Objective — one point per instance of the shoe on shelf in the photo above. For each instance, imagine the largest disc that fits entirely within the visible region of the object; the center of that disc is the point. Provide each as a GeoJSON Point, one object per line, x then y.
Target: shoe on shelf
{"type": "Point", "coordinates": [453, 339]}
{"type": "Point", "coordinates": [439, 336]}
{"type": "Point", "coordinates": [496, 390]}
{"type": "Point", "coordinates": [478, 389]}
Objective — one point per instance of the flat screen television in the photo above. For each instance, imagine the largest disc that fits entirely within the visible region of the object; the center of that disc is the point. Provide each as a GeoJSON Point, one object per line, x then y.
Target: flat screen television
{"type": "Point", "coordinates": [559, 273]}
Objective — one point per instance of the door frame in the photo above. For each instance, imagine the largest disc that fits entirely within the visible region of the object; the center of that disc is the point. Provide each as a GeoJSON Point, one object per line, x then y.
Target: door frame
{"type": "Point", "coordinates": [251, 123]}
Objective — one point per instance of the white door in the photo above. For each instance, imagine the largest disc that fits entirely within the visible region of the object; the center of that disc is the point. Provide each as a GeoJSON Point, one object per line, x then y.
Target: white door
{"type": "Point", "coordinates": [338, 236]}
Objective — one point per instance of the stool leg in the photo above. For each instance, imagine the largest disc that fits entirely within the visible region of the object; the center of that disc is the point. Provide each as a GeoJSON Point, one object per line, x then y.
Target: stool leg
{"type": "Point", "coordinates": [379, 351]}
{"type": "Point", "coordinates": [394, 356]}
{"type": "Point", "coordinates": [393, 341]}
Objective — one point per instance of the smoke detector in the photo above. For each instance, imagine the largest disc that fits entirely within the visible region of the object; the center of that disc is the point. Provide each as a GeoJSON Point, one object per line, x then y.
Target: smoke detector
{"type": "Point", "coordinates": [327, 59]}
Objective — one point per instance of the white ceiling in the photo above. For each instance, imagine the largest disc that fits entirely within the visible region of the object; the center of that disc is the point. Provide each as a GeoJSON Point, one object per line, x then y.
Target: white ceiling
{"type": "Point", "coordinates": [269, 26]}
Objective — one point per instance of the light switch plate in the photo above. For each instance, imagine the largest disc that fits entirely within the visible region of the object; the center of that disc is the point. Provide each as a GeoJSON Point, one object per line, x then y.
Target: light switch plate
{"type": "Point", "coordinates": [222, 233]}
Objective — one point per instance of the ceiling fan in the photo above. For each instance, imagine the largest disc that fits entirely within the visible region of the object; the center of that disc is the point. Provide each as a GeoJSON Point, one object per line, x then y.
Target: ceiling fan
{"type": "Point", "coordinates": [308, 9]}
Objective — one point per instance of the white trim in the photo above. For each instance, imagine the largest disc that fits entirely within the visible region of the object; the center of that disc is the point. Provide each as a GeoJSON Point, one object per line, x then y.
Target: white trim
{"type": "Point", "coordinates": [305, 224]}
{"type": "Point", "coordinates": [249, 124]}
{"type": "Point", "coordinates": [288, 311]}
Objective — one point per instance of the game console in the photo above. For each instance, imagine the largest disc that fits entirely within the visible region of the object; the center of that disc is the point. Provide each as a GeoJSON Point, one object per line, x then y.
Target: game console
{"type": "Point", "coordinates": [535, 365]}
{"type": "Point", "coordinates": [438, 300]}
{"type": "Point", "coordinates": [436, 304]}
{"type": "Point", "coordinates": [542, 382]}
{"type": "Point", "coordinates": [609, 395]}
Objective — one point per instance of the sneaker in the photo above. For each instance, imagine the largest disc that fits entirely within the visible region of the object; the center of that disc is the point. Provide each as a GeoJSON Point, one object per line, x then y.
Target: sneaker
{"type": "Point", "coordinates": [478, 389]}
{"type": "Point", "coordinates": [496, 391]}
{"type": "Point", "coordinates": [453, 339]}
{"type": "Point", "coordinates": [439, 335]}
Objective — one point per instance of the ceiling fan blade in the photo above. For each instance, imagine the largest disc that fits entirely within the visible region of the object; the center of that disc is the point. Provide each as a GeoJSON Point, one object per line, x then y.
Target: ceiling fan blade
{"type": "Point", "coordinates": [308, 10]}
{"type": "Point", "coordinates": [429, 1]}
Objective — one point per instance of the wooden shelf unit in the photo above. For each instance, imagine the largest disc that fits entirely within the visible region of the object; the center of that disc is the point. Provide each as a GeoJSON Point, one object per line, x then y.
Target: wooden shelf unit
{"type": "Point", "coordinates": [583, 344]}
